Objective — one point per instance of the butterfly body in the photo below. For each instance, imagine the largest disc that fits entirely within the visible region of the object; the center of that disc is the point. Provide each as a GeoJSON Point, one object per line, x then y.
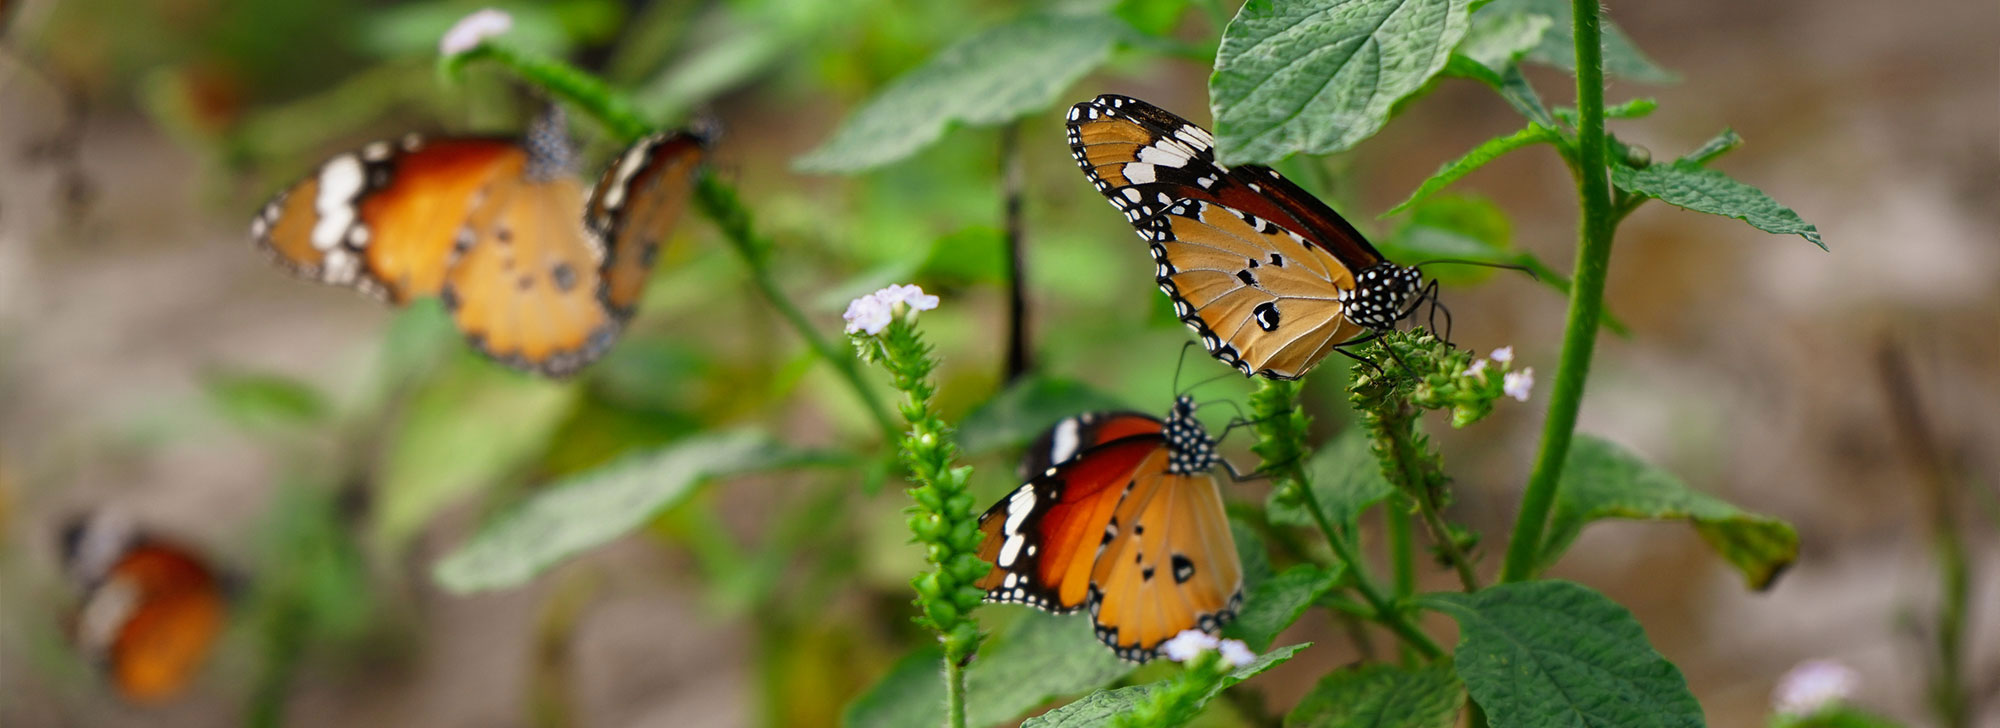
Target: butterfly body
{"type": "Point", "coordinates": [152, 610]}
{"type": "Point", "coordinates": [1126, 521]}
{"type": "Point", "coordinates": [1270, 279]}
{"type": "Point", "coordinates": [538, 272]}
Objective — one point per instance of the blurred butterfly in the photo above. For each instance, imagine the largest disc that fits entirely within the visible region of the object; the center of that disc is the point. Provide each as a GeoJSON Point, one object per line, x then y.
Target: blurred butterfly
{"type": "Point", "coordinates": [151, 609]}
{"type": "Point", "coordinates": [534, 276]}
{"type": "Point", "coordinates": [1269, 277]}
{"type": "Point", "coordinates": [1123, 516]}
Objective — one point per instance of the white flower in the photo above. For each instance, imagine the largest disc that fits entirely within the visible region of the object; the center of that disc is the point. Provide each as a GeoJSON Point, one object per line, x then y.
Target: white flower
{"type": "Point", "coordinates": [908, 294]}
{"type": "Point", "coordinates": [474, 29]}
{"type": "Point", "coordinates": [1187, 644]}
{"type": "Point", "coordinates": [1518, 384]}
{"type": "Point", "coordinates": [1503, 354]}
{"type": "Point", "coordinates": [867, 314]}
{"type": "Point", "coordinates": [1812, 685]}
{"type": "Point", "coordinates": [1477, 370]}
{"type": "Point", "coordinates": [1236, 653]}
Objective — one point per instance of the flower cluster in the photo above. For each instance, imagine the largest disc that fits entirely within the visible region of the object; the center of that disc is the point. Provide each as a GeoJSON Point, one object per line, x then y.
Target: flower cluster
{"type": "Point", "coordinates": [1813, 686]}
{"type": "Point", "coordinates": [871, 313]}
{"type": "Point", "coordinates": [474, 29]}
{"type": "Point", "coordinates": [1189, 645]}
{"type": "Point", "coordinates": [1208, 662]}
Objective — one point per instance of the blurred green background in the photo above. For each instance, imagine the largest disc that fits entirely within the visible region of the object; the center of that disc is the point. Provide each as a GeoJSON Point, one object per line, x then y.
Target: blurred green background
{"type": "Point", "coordinates": [331, 450]}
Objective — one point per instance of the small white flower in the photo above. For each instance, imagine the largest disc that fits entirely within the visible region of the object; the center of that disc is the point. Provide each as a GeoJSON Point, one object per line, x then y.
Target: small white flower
{"type": "Point", "coordinates": [1187, 644]}
{"type": "Point", "coordinates": [908, 294]}
{"type": "Point", "coordinates": [1503, 354]}
{"type": "Point", "coordinates": [1236, 653]}
{"type": "Point", "coordinates": [474, 29]}
{"type": "Point", "coordinates": [1812, 685]}
{"type": "Point", "coordinates": [1518, 384]}
{"type": "Point", "coordinates": [1477, 370]}
{"type": "Point", "coordinates": [868, 314]}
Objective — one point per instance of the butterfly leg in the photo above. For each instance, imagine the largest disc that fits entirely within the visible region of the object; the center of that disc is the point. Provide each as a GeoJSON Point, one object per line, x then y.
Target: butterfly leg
{"type": "Point", "coordinates": [1342, 348]}
{"type": "Point", "coordinates": [1242, 477]}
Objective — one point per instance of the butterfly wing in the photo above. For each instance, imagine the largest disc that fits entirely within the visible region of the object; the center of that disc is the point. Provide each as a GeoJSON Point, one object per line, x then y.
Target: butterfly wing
{"type": "Point", "coordinates": [1174, 568]}
{"type": "Point", "coordinates": [634, 207]}
{"type": "Point", "coordinates": [1044, 537]}
{"type": "Point", "coordinates": [1080, 433]}
{"type": "Point", "coordinates": [152, 621]}
{"type": "Point", "coordinates": [525, 291]}
{"type": "Point", "coordinates": [385, 218]}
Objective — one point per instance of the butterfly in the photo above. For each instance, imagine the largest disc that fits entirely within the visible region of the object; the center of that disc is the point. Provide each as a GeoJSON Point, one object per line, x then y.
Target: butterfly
{"type": "Point", "coordinates": [151, 609]}
{"type": "Point", "coordinates": [535, 276]}
{"type": "Point", "coordinates": [1124, 516]}
{"type": "Point", "coordinates": [1269, 277]}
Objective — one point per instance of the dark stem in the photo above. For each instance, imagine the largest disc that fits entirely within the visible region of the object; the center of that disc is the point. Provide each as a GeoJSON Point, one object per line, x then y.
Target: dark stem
{"type": "Point", "coordinates": [1947, 689]}
{"type": "Point", "coordinates": [1019, 358]}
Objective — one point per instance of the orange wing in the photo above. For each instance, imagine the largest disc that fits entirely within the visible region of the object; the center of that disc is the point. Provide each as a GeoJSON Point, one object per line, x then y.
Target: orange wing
{"type": "Point", "coordinates": [525, 292]}
{"type": "Point", "coordinates": [152, 621]}
{"type": "Point", "coordinates": [1078, 434]}
{"type": "Point", "coordinates": [1043, 538]}
{"type": "Point", "coordinates": [634, 208]}
{"type": "Point", "coordinates": [1173, 570]}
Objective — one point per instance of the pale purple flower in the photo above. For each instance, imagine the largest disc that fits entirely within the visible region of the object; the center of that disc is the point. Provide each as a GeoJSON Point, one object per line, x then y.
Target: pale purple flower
{"type": "Point", "coordinates": [1187, 644]}
{"type": "Point", "coordinates": [1477, 370]}
{"type": "Point", "coordinates": [1236, 653]}
{"type": "Point", "coordinates": [868, 314]}
{"type": "Point", "coordinates": [474, 29]}
{"type": "Point", "coordinates": [909, 294]}
{"type": "Point", "coordinates": [1518, 384]}
{"type": "Point", "coordinates": [1503, 354]}
{"type": "Point", "coordinates": [1813, 685]}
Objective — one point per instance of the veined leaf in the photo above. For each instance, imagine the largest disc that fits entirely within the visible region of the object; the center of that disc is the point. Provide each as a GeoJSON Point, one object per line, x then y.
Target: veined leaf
{"type": "Point", "coordinates": [1319, 76]}
{"type": "Point", "coordinates": [1690, 186]}
{"type": "Point", "coordinates": [1602, 480]}
{"type": "Point", "coordinates": [1498, 40]}
{"type": "Point", "coordinates": [1382, 696]}
{"type": "Point", "coordinates": [993, 77]}
{"type": "Point", "coordinates": [1556, 653]}
{"type": "Point", "coordinates": [1039, 658]}
{"type": "Point", "coordinates": [1100, 707]}
{"type": "Point", "coordinates": [1346, 480]}
{"type": "Point", "coordinates": [1558, 45]}
{"type": "Point", "coordinates": [1275, 603]}
{"type": "Point", "coordinates": [1487, 151]}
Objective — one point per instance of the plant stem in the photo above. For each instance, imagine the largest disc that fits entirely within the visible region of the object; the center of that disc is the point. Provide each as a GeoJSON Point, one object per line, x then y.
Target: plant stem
{"type": "Point", "coordinates": [1386, 611]}
{"type": "Point", "coordinates": [1402, 550]}
{"type": "Point", "coordinates": [1441, 535]}
{"type": "Point", "coordinates": [1019, 358]}
{"type": "Point", "coordinates": [954, 693]}
{"type": "Point", "coordinates": [1947, 689]}
{"type": "Point", "coordinates": [1586, 298]}
{"type": "Point", "coordinates": [720, 204]}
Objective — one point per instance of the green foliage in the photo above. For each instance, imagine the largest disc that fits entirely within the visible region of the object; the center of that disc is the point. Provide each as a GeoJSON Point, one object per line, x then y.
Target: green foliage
{"type": "Point", "coordinates": [1603, 480]}
{"type": "Point", "coordinates": [1345, 481]}
{"type": "Point", "coordinates": [1498, 40]}
{"type": "Point", "coordinates": [1275, 603]}
{"type": "Point", "coordinates": [1319, 76]}
{"type": "Point", "coordinates": [1103, 706]}
{"type": "Point", "coordinates": [600, 505]}
{"type": "Point", "coordinates": [1382, 696]}
{"type": "Point", "coordinates": [1557, 47]}
{"type": "Point", "coordinates": [1036, 659]}
{"type": "Point", "coordinates": [1487, 151]}
{"type": "Point", "coordinates": [1556, 653]}
{"type": "Point", "coordinates": [993, 77]}
{"type": "Point", "coordinates": [1834, 716]}
{"type": "Point", "coordinates": [1688, 185]}
{"type": "Point", "coordinates": [1025, 408]}
{"type": "Point", "coordinates": [259, 401]}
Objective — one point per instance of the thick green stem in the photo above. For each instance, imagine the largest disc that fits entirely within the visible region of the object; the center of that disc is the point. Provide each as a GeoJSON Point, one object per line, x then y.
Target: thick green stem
{"type": "Point", "coordinates": [1586, 299]}
{"type": "Point", "coordinates": [1442, 536]}
{"type": "Point", "coordinates": [1386, 610]}
{"type": "Point", "coordinates": [954, 692]}
{"type": "Point", "coordinates": [1402, 551]}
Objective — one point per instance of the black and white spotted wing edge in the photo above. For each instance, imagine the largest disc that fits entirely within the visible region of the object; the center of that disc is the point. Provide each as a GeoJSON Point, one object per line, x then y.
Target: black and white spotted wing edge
{"type": "Point", "coordinates": [1181, 155]}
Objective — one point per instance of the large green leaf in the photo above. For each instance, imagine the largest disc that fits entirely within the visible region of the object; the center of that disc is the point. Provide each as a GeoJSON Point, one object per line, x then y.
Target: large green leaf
{"type": "Point", "coordinates": [1346, 480]}
{"type": "Point", "coordinates": [1276, 602]}
{"type": "Point", "coordinates": [1498, 40]}
{"type": "Point", "coordinates": [1555, 653]}
{"type": "Point", "coordinates": [1602, 480]}
{"type": "Point", "coordinates": [600, 505]}
{"type": "Point", "coordinates": [1382, 696]}
{"type": "Point", "coordinates": [1020, 413]}
{"type": "Point", "coordinates": [1558, 45]}
{"type": "Point", "coordinates": [1689, 185]}
{"type": "Point", "coordinates": [1319, 76]}
{"type": "Point", "coordinates": [993, 77]}
{"type": "Point", "coordinates": [1487, 151]}
{"type": "Point", "coordinates": [1100, 707]}
{"type": "Point", "coordinates": [1037, 659]}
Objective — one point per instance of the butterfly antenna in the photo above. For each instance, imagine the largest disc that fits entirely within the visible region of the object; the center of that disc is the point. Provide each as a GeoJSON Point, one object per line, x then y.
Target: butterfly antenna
{"type": "Point", "coordinates": [1178, 364]}
{"type": "Point", "coordinates": [1480, 263]}
{"type": "Point", "coordinates": [1230, 402]}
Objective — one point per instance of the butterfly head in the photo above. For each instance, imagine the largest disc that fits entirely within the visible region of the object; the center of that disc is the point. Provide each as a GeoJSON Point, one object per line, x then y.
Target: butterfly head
{"type": "Point", "coordinates": [1381, 295]}
{"type": "Point", "coordinates": [1189, 448]}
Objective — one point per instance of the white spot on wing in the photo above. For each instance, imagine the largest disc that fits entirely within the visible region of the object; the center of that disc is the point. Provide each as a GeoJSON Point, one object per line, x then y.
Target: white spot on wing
{"type": "Point", "coordinates": [1065, 441]}
{"type": "Point", "coordinates": [339, 182]}
{"type": "Point", "coordinates": [1139, 173]}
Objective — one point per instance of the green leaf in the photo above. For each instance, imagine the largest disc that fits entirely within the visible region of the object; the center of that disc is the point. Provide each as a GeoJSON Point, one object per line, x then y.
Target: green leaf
{"type": "Point", "coordinates": [1487, 151]}
{"type": "Point", "coordinates": [256, 401]}
{"type": "Point", "coordinates": [1037, 659]}
{"type": "Point", "coordinates": [598, 506]}
{"type": "Point", "coordinates": [1382, 696]}
{"type": "Point", "coordinates": [1690, 186]}
{"type": "Point", "coordinates": [1498, 40]}
{"type": "Point", "coordinates": [1019, 414]}
{"type": "Point", "coordinates": [1319, 76]}
{"type": "Point", "coordinates": [912, 694]}
{"type": "Point", "coordinates": [1346, 480]}
{"type": "Point", "coordinates": [1556, 653]}
{"type": "Point", "coordinates": [1456, 227]}
{"type": "Point", "coordinates": [1275, 603]}
{"type": "Point", "coordinates": [1602, 480]}
{"type": "Point", "coordinates": [1100, 707]}
{"type": "Point", "coordinates": [993, 77]}
{"type": "Point", "coordinates": [1251, 551]}
{"type": "Point", "coordinates": [1558, 46]}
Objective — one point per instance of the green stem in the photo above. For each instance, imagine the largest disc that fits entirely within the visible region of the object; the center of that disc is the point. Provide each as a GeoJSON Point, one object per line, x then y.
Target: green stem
{"type": "Point", "coordinates": [721, 205]}
{"type": "Point", "coordinates": [562, 81]}
{"type": "Point", "coordinates": [1586, 298]}
{"type": "Point", "coordinates": [1441, 535]}
{"type": "Point", "coordinates": [1386, 611]}
{"type": "Point", "coordinates": [1402, 550]}
{"type": "Point", "coordinates": [954, 692]}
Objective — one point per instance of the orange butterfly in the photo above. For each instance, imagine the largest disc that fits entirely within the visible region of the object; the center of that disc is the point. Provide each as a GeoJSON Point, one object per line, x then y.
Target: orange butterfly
{"type": "Point", "coordinates": [151, 609]}
{"type": "Point", "coordinates": [1125, 517]}
{"type": "Point", "coordinates": [534, 276]}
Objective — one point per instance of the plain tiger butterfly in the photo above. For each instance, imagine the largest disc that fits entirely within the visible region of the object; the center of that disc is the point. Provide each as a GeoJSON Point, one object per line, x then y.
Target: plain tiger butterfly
{"type": "Point", "coordinates": [1268, 276]}
{"type": "Point", "coordinates": [1125, 518]}
{"type": "Point", "coordinates": [151, 609]}
{"type": "Point", "coordinates": [535, 276]}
